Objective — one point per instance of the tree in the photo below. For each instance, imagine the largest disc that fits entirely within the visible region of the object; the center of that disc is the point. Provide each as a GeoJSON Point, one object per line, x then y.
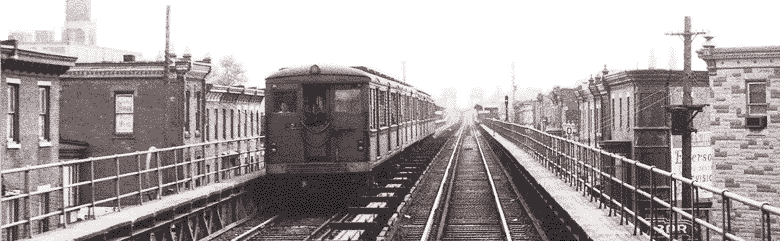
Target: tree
{"type": "Point", "coordinates": [228, 72]}
{"type": "Point", "coordinates": [478, 107]}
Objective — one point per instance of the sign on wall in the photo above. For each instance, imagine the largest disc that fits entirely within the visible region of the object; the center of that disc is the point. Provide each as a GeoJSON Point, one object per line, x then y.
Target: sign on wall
{"type": "Point", "coordinates": [701, 161]}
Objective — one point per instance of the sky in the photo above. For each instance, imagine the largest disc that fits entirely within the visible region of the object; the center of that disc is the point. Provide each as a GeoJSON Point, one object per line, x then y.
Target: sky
{"type": "Point", "coordinates": [448, 46]}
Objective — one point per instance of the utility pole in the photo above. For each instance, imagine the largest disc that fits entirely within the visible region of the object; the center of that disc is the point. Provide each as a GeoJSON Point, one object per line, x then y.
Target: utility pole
{"type": "Point", "coordinates": [167, 74]}
{"type": "Point", "coordinates": [685, 110]}
{"type": "Point", "coordinates": [514, 92]}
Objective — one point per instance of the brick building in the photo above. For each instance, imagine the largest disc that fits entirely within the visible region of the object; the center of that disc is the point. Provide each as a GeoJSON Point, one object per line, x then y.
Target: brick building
{"type": "Point", "coordinates": [233, 113]}
{"type": "Point", "coordinates": [744, 125]}
{"type": "Point", "coordinates": [31, 96]}
{"type": "Point", "coordinates": [625, 113]}
{"type": "Point", "coordinates": [122, 107]}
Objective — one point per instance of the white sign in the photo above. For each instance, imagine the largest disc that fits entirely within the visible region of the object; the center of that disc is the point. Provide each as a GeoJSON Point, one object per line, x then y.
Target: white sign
{"type": "Point", "coordinates": [701, 162]}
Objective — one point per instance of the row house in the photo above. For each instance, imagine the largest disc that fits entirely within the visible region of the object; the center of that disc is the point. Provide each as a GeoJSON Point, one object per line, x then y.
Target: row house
{"type": "Point", "coordinates": [626, 113]}
{"type": "Point", "coordinates": [122, 107]}
{"type": "Point", "coordinates": [234, 113]}
{"type": "Point", "coordinates": [31, 96]}
{"type": "Point", "coordinates": [557, 111]}
{"type": "Point", "coordinates": [745, 126]}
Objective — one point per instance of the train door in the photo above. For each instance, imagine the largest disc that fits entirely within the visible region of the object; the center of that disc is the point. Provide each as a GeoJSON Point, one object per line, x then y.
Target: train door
{"type": "Point", "coordinates": [333, 121]}
{"type": "Point", "coordinates": [316, 122]}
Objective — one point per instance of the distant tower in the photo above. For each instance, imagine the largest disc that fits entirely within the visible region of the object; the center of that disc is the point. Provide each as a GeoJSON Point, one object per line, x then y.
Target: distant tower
{"type": "Point", "coordinates": [79, 28]}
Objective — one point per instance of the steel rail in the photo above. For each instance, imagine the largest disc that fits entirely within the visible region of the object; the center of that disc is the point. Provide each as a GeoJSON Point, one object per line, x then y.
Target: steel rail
{"type": "Point", "coordinates": [429, 223]}
{"type": "Point", "coordinates": [251, 231]}
{"type": "Point", "coordinates": [500, 207]}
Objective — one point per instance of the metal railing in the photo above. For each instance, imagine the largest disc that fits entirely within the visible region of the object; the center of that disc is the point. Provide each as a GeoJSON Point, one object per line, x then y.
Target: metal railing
{"type": "Point", "coordinates": [612, 180]}
{"type": "Point", "coordinates": [110, 183]}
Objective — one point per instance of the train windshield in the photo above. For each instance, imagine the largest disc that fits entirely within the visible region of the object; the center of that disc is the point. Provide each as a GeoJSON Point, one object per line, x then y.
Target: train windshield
{"type": "Point", "coordinates": [348, 101]}
{"type": "Point", "coordinates": [285, 101]}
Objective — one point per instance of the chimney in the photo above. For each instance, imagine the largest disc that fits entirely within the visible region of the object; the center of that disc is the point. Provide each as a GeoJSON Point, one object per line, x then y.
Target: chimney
{"type": "Point", "coordinates": [129, 58]}
{"type": "Point", "coordinates": [206, 60]}
{"type": "Point", "coordinates": [186, 57]}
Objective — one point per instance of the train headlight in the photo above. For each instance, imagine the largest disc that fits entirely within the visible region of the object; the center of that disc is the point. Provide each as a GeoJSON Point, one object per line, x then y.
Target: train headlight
{"type": "Point", "coordinates": [360, 148]}
{"type": "Point", "coordinates": [272, 150]}
{"type": "Point", "coordinates": [360, 142]}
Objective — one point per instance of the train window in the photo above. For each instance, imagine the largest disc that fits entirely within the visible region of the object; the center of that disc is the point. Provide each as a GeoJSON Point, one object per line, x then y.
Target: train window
{"type": "Point", "coordinates": [382, 108]}
{"type": "Point", "coordinates": [371, 109]}
{"type": "Point", "coordinates": [348, 101]}
{"type": "Point", "coordinates": [394, 106]}
{"type": "Point", "coordinates": [285, 101]}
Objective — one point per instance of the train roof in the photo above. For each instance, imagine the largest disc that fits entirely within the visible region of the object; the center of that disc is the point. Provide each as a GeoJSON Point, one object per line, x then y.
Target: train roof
{"type": "Point", "coordinates": [329, 69]}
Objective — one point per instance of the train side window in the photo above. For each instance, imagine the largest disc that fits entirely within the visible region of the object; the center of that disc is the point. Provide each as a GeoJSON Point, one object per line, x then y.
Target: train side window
{"type": "Point", "coordinates": [394, 108]}
{"type": "Point", "coordinates": [382, 108]}
{"type": "Point", "coordinates": [348, 101]}
{"type": "Point", "coordinates": [371, 109]}
{"type": "Point", "coordinates": [285, 101]}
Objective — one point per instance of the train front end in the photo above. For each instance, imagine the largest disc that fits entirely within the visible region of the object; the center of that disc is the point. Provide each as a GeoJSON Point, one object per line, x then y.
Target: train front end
{"type": "Point", "coordinates": [316, 127]}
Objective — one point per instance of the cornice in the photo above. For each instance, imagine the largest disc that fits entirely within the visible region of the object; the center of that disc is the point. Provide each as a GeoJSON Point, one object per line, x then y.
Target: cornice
{"type": "Point", "coordinates": [97, 70]}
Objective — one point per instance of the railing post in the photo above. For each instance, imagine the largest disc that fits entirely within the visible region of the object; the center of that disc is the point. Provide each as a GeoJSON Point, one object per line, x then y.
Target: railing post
{"type": "Point", "coordinates": [92, 187]}
{"type": "Point", "coordinates": [176, 167]}
{"type": "Point", "coordinates": [635, 180]}
{"type": "Point", "coordinates": [192, 167]}
{"type": "Point", "coordinates": [622, 191]}
{"type": "Point", "coordinates": [140, 181]}
{"type": "Point", "coordinates": [116, 185]}
{"type": "Point", "coordinates": [652, 202]}
{"type": "Point", "coordinates": [27, 202]}
{"type": "Point", "coordinates": [159, 175]}
{"type": "Point", "coordinates": [673, 220]}
{"type": "Point", "coordinates": [65, 197]}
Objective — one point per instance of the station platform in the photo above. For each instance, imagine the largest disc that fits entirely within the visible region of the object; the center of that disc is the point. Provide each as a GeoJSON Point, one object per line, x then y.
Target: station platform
{"type": "Point", "coordinates": [594, 221]}
{"type": "Point", "coordinates": [88, 229]}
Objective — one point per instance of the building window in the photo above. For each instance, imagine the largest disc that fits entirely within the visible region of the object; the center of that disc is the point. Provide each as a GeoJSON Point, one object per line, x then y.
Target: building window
{"type": "Point", "coordinates": [187, 110]}
{"type": "Point", "coordinates": [197, 111]}
{"type": "Point", "coordinates": [43, 113]}
{"type": "Point", "coordinates": [757, 98]}
{"type": "Point", "coordinates": [224, 124]}
{"type": "Point", "coordinates": [232, 125]}
{"type": "Point", "coordinates": [628, 113]}
{"type": "Point", "coordinates": [614, 120]}
{"type": "Point", "coordinates": [620, 116]}
{"type": "Point", "coordinates": [123, 112]}
{"type": "Point", "coordinates": [12, 127]}
{"type": "Point", "coordinates": [246, 123]}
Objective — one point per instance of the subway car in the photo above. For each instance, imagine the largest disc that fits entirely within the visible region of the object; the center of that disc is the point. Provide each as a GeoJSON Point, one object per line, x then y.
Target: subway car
{"type": "Point", "coordinates": [335, 125]}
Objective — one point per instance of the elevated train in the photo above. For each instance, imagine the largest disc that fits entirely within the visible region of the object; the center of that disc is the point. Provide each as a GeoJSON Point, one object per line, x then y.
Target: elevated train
{"type": "Point", "coordinates": [335, 125]}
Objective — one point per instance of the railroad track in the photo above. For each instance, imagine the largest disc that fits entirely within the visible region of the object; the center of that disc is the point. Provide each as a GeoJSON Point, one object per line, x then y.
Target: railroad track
{"type": "Point", "coordinates": [363, 222]}
{"type": "Point", "coordinates": [472, 198]}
